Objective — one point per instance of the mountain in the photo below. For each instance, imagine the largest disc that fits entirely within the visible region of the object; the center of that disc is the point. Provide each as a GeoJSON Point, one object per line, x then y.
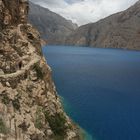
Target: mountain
{"type": "Point", "coordinates": [30, 108]}
{"type": "Point", "coordinates": [53, 27]}
{"type": "Point", "coordinates": [121, 30]}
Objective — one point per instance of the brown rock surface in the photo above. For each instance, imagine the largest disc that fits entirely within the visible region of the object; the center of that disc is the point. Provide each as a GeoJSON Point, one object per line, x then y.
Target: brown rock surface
{"type": "Point", "coordinates": [30, 108]}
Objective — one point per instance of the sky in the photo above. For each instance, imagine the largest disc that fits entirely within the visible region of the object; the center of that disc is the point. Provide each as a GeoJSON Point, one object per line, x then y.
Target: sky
{"type": "Point", "coordinates": [85, 11]}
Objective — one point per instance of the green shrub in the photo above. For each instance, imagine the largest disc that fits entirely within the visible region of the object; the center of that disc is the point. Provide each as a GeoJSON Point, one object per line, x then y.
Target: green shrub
{"type": "Point", "coordinates": [58, 137]}
{"type": "Point", "coordinates": [16, 104]}
{"type": "Point", "coordinates": [3, 128]}
{"type": "Point", "coordinates": [57, 124]}
{"type": "Point", "coordinates": [38, 71]}
{"type": "Point", "coordinates": [5, 99]}
{"type": "Point", "coordinates": [38, 118]}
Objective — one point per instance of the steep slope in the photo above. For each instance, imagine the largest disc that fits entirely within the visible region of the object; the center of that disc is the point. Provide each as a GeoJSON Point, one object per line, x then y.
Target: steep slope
{"type": "Point", "coordinates": [121, 30]}
{"type": "Point", "coordinates": [30, 108]}
{"type": "Point", "coordinates": [52, 26]}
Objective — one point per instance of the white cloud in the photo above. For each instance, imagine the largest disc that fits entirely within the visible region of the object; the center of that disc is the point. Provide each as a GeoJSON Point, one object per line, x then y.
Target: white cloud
{"type": "Point", "coordinates": [85, 11]}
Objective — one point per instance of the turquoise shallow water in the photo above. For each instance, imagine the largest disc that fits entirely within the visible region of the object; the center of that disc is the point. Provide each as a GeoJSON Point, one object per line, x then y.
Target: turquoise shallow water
{"type": "Point", "coordinates": [68, 110]}
{"type": "Point", "coordinates": [101, 88]}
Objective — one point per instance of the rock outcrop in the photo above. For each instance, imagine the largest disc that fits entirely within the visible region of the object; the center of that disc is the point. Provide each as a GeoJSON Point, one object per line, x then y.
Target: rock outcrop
{"type": "Point", "coordinates": [30, 108]}
{"type": "Point", "coordinates": [52, 26]}
{"type": "Point", "coordinates": [121, 30]}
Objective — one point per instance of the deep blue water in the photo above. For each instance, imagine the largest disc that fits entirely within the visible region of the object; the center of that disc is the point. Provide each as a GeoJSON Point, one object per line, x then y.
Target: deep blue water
{"type": "Point", "coordinates": [101, 88]}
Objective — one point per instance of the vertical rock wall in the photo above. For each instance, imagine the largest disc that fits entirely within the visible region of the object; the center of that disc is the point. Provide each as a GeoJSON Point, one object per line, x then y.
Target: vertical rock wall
{"type": "Point", "coordinates": [30, 108]}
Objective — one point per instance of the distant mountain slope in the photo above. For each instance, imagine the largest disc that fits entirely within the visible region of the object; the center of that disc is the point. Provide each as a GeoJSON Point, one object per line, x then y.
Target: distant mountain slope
{"type": "Point", "coordinates": [52, 26]}
{"type": "Point", "coordinates": [121, 30]}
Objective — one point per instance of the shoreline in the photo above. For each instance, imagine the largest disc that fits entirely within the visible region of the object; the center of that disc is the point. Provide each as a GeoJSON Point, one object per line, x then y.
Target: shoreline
{"type": "Point", "coordinates": [92, 47]}
{"type": "Point", "coordinates": [83, 134]}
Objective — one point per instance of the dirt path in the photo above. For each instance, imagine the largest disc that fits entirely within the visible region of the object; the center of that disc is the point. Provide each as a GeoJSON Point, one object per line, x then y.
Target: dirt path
{"type": "Point", "coordinates": [33, 61]}
{"type": "Point", "coordinates": [34, 58]}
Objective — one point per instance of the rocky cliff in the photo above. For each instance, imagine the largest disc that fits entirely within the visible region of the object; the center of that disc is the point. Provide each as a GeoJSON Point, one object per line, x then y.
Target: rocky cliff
{"type": "Point", "coordinates": [52, 26]}
{"type": "Point", "coordinates": [30, 108]}
{"type": "Point", "coordinates": [121, 30]}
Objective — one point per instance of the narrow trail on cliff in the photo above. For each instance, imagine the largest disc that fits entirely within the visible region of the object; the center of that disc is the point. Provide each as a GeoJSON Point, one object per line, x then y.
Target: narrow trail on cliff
{"type": "Point", "coordinates": [34, 57]}
{"type": "Point", "coordinates": [34, 60]}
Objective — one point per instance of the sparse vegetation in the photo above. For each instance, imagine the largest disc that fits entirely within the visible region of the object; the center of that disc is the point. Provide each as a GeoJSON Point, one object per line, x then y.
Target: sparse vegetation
{"type": "Point", "coordinates": [16, 104]}
{"type": "Point", "coordinates": [3, 128]}
{"type": "Point", "coordinates": [57, 124]}
{"type": "Point", "coordinates": [38, 119]}
{"type": "Point", "coordinates": [23, 126]}
{"type": "Point", "coordinates": [5, 99]}
{"type": "Point", "coordinates": [38, 71]}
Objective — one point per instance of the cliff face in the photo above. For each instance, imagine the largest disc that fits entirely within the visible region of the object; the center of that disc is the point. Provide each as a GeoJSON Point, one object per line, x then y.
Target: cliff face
{"type": "Point", "coordinates": [30, 108]}
{"type": "Point", "coordinates": [121, 30]}
{"type": "Point", "coordinates": [52, 26]}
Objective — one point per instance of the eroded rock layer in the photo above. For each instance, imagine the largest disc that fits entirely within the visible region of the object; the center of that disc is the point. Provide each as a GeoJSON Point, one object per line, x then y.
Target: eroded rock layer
{"type": "Point", "coordinates": [30, 108]}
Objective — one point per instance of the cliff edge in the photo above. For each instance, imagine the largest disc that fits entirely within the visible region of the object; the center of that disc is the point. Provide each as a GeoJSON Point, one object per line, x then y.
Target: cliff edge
{"type": "Point", "coordinates": [30, 108]}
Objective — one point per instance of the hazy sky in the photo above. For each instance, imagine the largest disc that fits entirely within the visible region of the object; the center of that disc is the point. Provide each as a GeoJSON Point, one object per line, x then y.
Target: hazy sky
{"type": "Point", "coordinates": [85, 11]}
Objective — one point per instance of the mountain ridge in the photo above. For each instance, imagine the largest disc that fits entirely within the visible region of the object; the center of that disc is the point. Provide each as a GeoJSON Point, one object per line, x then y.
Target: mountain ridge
{"type": "Point", "coordinates": [53, 27]}
{"type": "Point", "coordinates": [120, 30]}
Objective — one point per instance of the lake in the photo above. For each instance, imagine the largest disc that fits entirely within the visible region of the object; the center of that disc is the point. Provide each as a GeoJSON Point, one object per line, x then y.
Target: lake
{"type": "Point", "coordinates": [101, 89]}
